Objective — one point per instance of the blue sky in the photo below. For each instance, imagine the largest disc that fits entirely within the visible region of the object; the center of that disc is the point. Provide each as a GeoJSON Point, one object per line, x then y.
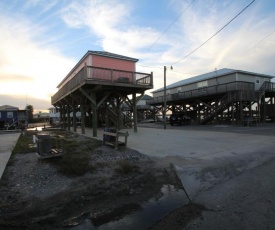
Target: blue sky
{"type": "Point", "coordinates": [42, 40]}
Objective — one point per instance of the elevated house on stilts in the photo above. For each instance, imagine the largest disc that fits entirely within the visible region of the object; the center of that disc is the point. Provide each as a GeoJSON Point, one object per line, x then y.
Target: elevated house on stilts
{"type": "Point", "coordinates": [97, 87]}
{"type": "Point", "coordinates": [224, 96]}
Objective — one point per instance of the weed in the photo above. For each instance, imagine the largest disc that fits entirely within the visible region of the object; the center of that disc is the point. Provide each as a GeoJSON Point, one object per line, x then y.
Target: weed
{"type": "Point", "coordinates": [125, 167]}
{"type": "Point", "coordinates": [24, 143]}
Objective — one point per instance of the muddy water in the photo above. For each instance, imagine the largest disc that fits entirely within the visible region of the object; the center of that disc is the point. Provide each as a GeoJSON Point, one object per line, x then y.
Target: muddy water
{"type": "Point", "coordinates": [150, 212]}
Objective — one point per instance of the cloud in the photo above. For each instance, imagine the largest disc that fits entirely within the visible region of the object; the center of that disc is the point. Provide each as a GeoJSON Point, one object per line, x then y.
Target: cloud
{"type": "Point", "coordinates": [14, 78]}
{"type": "Point", "coordinates": [35, 69]}
{"type": "Point", "coordinates": [21, 101]}
{"type": "Point", "coordinates": [110, 21]}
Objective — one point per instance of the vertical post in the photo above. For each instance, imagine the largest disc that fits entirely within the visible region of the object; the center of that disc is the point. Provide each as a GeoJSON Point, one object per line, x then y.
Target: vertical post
{"type": "Point", "coordinates": [152, 80]}
{"type": "Point", "coordinates": [83, 114]}
{"type": "Point", "coordinates": [232, 112]}
{"type": "Point", "coordinates": [94, 108]}
{"type": "Point", "coordinates": [164, 99]}
{"type": "Point", "coordinates": [118, 113]}
{"type": "Point", "coordinates": [68, 118]}
{"type": "Point", "coordinates": [74, 116]}
{"type": "Point", "coordinates": [241, 112]}
{"type": "Point", "coordinates": [135, 111]}
{"type": "Point", "coordinates": [264, 108]}
{"type": "Point", "coordinates": [61, 116]}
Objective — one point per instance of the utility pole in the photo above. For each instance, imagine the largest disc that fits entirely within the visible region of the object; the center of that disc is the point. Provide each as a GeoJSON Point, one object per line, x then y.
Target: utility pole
{"type": "Point", "coordinates": [164, 99]}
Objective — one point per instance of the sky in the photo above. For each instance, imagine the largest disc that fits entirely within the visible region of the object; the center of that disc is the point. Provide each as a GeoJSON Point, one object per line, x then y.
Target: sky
{"type": "Point", "coordinates": [42, 40]}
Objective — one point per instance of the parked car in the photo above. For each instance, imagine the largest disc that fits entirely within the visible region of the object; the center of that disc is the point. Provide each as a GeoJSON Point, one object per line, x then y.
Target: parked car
{"type": "Point", "coordinates": [179, 119]}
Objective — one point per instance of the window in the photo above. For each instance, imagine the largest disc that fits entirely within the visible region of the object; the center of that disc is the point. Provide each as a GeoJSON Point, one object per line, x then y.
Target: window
{"type": "Point", "coordinates": [9, 114]}
{"type": "Point", "coordinates": [202, 86]}
{"type": "Point", "coordinates": [257, 80]}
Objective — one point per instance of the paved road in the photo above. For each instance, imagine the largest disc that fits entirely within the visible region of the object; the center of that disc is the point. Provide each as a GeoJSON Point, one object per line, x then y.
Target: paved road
{"type": "Point", "coordinates": [230, 170]}
{"type": "Point", "coordinates": [7, 142]}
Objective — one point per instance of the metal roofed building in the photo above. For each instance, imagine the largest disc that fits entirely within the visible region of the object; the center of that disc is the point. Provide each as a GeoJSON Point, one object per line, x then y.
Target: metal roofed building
{"type": "Point", "coordinates": [221, 96]}
{"type": "Point", "coordinates": [98, 85]}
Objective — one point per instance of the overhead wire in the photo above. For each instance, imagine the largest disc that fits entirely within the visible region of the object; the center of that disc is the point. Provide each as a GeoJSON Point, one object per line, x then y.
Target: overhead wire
{"type": "Point", "coordinates": [252, 47]}
{"type": "Point", "coordinates": [170, 25]}
{"type": "Point", "coordinates": [214, 34]}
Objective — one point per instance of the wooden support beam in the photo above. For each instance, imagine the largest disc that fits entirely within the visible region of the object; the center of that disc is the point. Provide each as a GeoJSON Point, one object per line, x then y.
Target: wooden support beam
{"type": "Point", "coordinates": [94, 108]}
{"type": "Point", "coordinates": [88, 96]}
{"type": "Point", "coordinates": [102, 100]}
{"type": "Point", "coordinates": [135, 112]}
{"type": "Point", "coordinates": [74, 116]}
{"type": "Point", "coordinates": [68, 117]}
{"type": "Point", "coordinates": [83, 114]}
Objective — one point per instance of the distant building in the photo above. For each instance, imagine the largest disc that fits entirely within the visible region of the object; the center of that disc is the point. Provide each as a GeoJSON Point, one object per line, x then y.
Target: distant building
{"type": "Point", "coordinates": [222, 96]}
{"type": "Point", "coordinates": [12, 117]}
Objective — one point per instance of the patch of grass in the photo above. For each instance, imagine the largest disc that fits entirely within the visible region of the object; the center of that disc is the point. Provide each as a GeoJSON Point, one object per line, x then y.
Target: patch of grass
{"type": "Point", "coordinates": [76, 160]}
{"type": "Point", "coordinates": [75, 164]}
{"type": "Point", "coordinates": [125, 167]}
{"type": "Point", "coordinates": [25, 143]}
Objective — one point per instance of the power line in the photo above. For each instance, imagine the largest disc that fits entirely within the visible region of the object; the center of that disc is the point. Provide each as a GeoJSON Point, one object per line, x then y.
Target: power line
{"type": "Point", "coordinates": [252, 47]}
{"type": "Point", "coordinates": [170, 25]}
{"type": "Point", "coordinates": [214, 34]}
{"type": "Point", "coordinates": [159, 67]}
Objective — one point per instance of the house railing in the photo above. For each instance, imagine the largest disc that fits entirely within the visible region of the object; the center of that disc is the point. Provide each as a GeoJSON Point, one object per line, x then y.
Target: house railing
{"type": "Point", "coordinates": [205, 91]}
{"type": "Point", "coordinates": [91, 73]}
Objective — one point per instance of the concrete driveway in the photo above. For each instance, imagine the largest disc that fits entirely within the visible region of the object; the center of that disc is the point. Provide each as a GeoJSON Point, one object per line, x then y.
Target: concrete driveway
{"type": "Point", "coordinates": [7, 143]}
{"type": "Point", "coordinates": [229, 170]}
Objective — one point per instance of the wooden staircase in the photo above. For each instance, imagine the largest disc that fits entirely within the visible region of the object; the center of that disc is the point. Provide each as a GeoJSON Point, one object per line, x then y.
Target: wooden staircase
{"type": "Point", "coordinates": [125, 121]}
{"type": "Point", "coordinates": [223, 104]}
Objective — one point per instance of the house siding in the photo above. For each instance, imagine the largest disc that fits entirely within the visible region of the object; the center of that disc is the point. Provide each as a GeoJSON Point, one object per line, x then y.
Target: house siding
{"type": "Point", "coordinates": [252, 79]}
{"type": "Point", "coordinates": [112, 63]}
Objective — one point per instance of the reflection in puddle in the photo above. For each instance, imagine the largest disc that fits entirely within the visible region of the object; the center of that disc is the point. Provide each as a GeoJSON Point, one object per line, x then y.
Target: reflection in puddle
{"type": "Point", "coordinates": [152, 211]}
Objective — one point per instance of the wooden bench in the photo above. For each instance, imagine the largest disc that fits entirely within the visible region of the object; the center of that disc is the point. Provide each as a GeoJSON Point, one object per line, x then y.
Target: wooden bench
{"type": "Point", "coordinates": [112, 139]}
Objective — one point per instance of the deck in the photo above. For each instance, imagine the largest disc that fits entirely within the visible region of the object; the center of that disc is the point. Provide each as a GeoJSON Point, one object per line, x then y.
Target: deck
{"type": "Point", "coordinates": [103, 79]}
{"type": "Point", "coordinates": [221, 89]}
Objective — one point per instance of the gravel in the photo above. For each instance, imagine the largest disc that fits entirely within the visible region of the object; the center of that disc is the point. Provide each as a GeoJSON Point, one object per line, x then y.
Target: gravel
{"type": "Point", "coordinates": [31, 177]}
{"type": "Point", "coordinates": [35, 178]}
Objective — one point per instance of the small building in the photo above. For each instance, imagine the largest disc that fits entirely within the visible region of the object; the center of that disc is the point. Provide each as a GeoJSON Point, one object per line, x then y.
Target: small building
{"type": "Point", "coordinates": [12, 117]}
{"type": "Point", "coordinates": [221, 96]}
{"type": "Point", "coordinates": [98, 85]}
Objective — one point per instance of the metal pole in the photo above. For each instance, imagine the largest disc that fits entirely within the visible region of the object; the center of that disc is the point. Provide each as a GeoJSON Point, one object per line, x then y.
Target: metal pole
{"type": "Point", "coordinates": [164, 99]}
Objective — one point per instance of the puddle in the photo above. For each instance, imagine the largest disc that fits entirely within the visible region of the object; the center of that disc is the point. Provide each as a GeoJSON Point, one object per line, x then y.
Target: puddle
{"type": "Point", "coordinates": [147, 215]}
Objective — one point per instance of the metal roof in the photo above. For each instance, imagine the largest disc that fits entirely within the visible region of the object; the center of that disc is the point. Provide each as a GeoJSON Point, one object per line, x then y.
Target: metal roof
{"type": "Point", "coordinates": [146, 97]}
{"type": "Point", "coordinates": [112, 55]}
{"type": "Point", "coordinates": [207, 76]}
{"type": "Point", "coordinates": [8, 108]}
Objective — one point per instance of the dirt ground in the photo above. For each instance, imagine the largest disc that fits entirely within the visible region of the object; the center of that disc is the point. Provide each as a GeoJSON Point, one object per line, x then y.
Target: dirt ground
{"type": "Point", "coordinates": [43, 194]}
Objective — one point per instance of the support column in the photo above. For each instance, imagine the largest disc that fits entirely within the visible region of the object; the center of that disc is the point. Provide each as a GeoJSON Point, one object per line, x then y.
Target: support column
{"type": "Point", "coordinates": [83, 114]}
{"type": "Point", "coordinates": [135, 111]}
{"type": "Point", "coordinates": [232, 112]}
{"type": "Point", "coordinates": [74, 117]}
{"type": "Point", "coordinates": [61, 116]}
{"type": "Point", "coordinates": [68, 117]}
{"type": "Point", "coordinates": [241, 112]}
{"type": "Point", "coordinates": [216, 110]}
{"type": "Point", "coordinates": [118, 113]}
{"type": "Point", "coordinates": [94, 108]}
